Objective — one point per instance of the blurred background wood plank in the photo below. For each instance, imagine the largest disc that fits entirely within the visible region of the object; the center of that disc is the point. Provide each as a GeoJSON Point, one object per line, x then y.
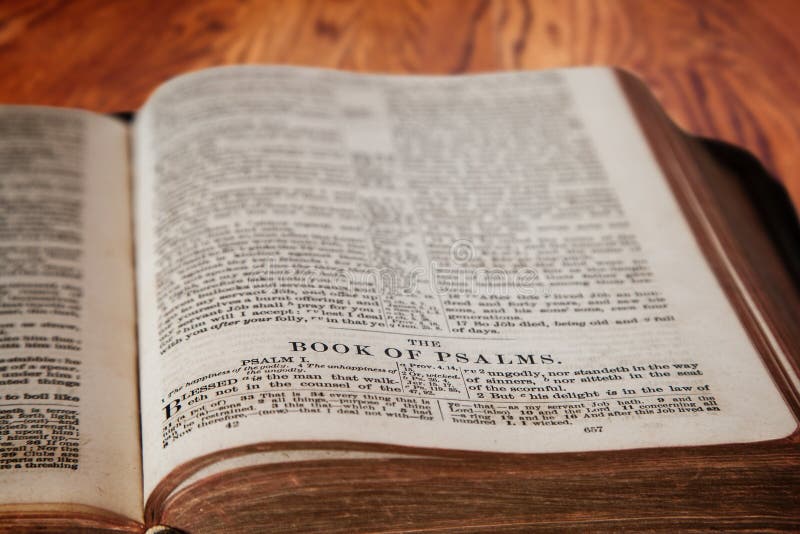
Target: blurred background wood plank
{"type": "Point", "coordinates": [722, 68]}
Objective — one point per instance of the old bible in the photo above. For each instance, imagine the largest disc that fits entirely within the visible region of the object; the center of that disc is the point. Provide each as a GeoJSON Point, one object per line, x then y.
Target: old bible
{"type": "Point", "coordinates": [287, 298]}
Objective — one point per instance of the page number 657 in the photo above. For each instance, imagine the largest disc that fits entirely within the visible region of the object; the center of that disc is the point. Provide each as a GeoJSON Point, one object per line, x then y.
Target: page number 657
{"type": "Point", "coordinates": [589, 429]}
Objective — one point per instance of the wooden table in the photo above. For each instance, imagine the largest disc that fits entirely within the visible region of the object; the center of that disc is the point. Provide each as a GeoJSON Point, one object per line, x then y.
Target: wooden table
{"type": "Point", "coordinates": [722, 68]}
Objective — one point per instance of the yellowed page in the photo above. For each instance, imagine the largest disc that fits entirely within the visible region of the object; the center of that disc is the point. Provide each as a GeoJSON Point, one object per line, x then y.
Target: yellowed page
{"type": "Point", "coordinates": [489, 262]}
{"type": "Point", "coordinates": [68, 404]}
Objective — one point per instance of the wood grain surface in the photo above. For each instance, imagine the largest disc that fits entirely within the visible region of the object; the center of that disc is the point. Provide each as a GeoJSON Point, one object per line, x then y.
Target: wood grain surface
{"type": "Point", "coordinates": [722, 68]}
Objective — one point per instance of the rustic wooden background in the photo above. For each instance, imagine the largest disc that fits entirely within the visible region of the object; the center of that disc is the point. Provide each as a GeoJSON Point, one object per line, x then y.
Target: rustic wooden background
{"type": "Point", "coordinates": [722, 68]}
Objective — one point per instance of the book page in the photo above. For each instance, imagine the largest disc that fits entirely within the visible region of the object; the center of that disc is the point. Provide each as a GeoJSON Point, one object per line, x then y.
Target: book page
{"type": "Point", "coordinates": [489, 262]}
{"type": "Point", "coordinates": [68, 404]}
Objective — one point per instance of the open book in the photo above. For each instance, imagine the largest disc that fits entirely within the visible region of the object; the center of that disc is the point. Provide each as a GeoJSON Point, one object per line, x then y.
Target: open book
{"type": "Point", "coordinates": [320, 300]}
